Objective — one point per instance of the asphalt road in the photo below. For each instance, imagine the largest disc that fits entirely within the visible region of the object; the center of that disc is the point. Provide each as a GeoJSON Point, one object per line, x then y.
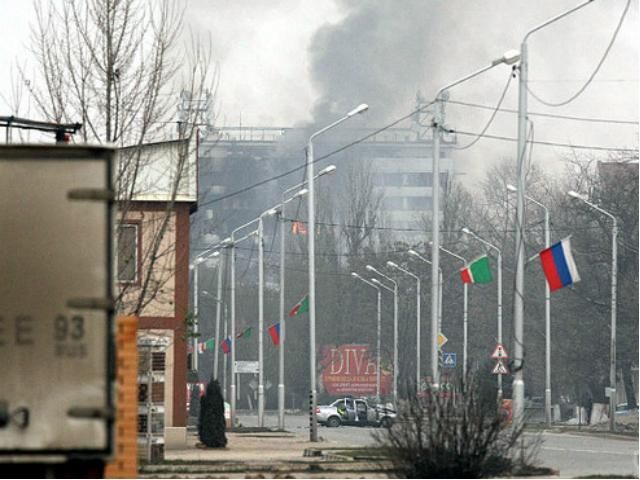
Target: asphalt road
{"type": "Point", "coordinates": [571, 455]}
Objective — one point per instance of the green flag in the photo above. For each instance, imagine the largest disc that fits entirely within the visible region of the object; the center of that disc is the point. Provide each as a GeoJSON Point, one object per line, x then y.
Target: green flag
{"type": "Point", "coordinates": [301, 307]}
{"type": "Point", "coordinates": [246, 333]}
{"type": "Point", "coordinates": [478, 271]}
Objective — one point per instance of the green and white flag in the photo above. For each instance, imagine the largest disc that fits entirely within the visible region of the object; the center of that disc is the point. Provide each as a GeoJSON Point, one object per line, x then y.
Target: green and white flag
{"type": "Point", "coordinates": [478, 271]}
{"type": "Point", "coordinates": [301, 307]}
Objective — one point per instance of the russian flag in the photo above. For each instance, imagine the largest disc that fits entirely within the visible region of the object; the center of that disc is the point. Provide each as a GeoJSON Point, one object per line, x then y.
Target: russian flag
{"type": "Point", "coordinates": [274, 331]}
{"type": "Point", "coordinates": [558, 265]}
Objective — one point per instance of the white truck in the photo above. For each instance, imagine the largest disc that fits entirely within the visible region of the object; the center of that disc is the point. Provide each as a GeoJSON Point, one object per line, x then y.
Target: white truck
{"type": "Point", "coordinates": [57, 349]}
{"type": "Point", "coordinates": [355, 411]}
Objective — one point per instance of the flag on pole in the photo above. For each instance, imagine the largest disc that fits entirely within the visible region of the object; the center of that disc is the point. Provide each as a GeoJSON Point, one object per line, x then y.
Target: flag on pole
{"type": "Point", "coordinates": [478, 271]}
{"type": "Point", "coordinates": [226, 345]}
{"type": "Point", "coordinates": [274, 331]}
{"type": "Point", "coordinates": [558, 265]}
{"type": "Point", "coordinates": [301, 307]}
{"type": "Point", "coordinates": [209, 344]}
{"type": "Point", "coordinates": [246, 333]}
{"type": "Point", "coordinates": [298, 228]}
{"type": "Point", "coordinates": [201, 347]}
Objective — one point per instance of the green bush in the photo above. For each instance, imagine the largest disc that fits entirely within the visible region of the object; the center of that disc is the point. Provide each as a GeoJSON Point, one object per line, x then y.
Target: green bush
{"type": "Point", "coordinates": [211, 424]}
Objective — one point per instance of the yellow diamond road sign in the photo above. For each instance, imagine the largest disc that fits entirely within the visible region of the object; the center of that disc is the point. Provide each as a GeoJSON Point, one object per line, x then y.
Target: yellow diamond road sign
{"type": "Point", "coordinates": [442, 340]}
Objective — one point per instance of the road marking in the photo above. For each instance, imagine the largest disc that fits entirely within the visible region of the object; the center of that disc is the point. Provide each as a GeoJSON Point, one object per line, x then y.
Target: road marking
{"type": "Point", "coordinates": [559, 449]}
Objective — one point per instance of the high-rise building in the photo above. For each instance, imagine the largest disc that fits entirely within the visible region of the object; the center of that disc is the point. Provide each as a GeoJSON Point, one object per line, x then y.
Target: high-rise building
{"type": "Point", "coordinates": [392, 167]}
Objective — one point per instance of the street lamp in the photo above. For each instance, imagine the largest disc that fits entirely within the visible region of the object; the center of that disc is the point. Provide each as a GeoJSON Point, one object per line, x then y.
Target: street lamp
{"type": "Point", "coordinates": [521, 171]}
{"type": "Point", "coordinates": [466, 231]}
{"type": "Point", "coordinates": [395, 326]}
{"type": "Point", "coordinates": [211, 252]}
{"type": "Point", "coordinates": [232, 246]}
{"type": "Point", "coordinates": [547, 312]}
{"type": "Point", "coordinates": [614, 283]}
{"type": "Point", "coordinates": [508, 58]}
{"type": "Point", "coordinates": [313, 427]}
{"type": "Point", "coordinates": [436, 327]}
{"type": "Point", "coordinates": [281, 391]}
{"type": "Point", "coordinates": [465, 319]}
{"type": "Point", "coordinates": [417, 279]}
{"type": "Point", "coordinates": [268, 213]}
{"type": "Point", "coordinates": [378, 330]}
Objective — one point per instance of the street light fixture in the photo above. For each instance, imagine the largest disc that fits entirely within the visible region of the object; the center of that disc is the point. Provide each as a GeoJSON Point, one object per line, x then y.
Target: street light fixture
{"type": "Point", "coordinates": [418, 317]}
{"type": "Point", "coordinates": [465, 315]}
{"type": "Point", "coordinates": [436, 327]}
{"type": "Point", "coordinates": [499, 253]}
{"type": "Point", "coordinates": [283, 203]}
{"type": "Point", "coordinates": [508, 58]}
{"type": "Point", "coordinates": [234, 377]}
{"type": "Point", "coordinates": [521, 171]}
{"type": "Point", "coordinates": [547, 312]}
{"type": "Point", "coordinates": [614, 304]}
{"type": "Point", "coordinates": [395, 327]}
{"type": "Point", "coordinates": [378, 330]}
{"type": "Point", "coordinates": [313, 427]}
{"type": "Point", "coordinates": [193, 266]}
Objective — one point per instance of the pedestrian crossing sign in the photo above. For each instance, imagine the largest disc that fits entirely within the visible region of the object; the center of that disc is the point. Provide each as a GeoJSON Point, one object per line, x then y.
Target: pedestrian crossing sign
{"type": "Point", "coordinates": [500, 369]}
{"type": "Point", "coordinates": [449, 360]}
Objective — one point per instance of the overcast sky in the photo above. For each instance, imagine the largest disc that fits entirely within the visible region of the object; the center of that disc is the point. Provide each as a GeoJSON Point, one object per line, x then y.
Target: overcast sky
{"type": "Point", "coordinates": [289, 62]}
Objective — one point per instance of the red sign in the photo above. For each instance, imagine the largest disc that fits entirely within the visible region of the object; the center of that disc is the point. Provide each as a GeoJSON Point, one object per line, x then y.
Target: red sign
{"type": "Point", "coordinates": [349, 370]}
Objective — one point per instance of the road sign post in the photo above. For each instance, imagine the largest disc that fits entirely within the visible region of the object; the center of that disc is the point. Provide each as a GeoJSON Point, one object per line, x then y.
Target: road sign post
{"type": "Point", "coordinates": [450, 360]}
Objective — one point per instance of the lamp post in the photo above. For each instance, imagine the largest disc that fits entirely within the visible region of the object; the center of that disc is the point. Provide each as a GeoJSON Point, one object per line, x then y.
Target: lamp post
{"type": "Point", "coordinates": [219, 304]}
{"type": "Point", "coordinates": [224, 358]}
{"type": "Point", "coordinates": [436, 327]}
{"type": "Point", "coordinates": [281, 390]}
{"type": "Point", "coordinates": [466, 231]}
{"type": "Point", "coordinates": [394, 290]}
{"type": "Point", "coordinates": [270, 212]}
{"type": "Point", "coordinates": [508, 58]}
{"type": "Point", "coordinates": [614, 304]}
{"type": "Point", "coordinates": [395, 326]}
{"type": "Point", "coordinates": [378, 330]}
{"type": "Point", "coordinates": [218, 308]}
{"type": "Point", "coordinates": [211, 252]}
{"type": "Point", "coordinates": [465, 318]}
{"type": "Point", "coordinates": [196, 321]}
{"type": "Point", "coordinates": [313, 424]}
{"type": "Point", "coordinates": [234, 379]}
{"type": "Point", "coordinates": [518, 294]}
{"type": "Point", "coordinates": [418, 335]}
{"type": "Point", "coordinates": [547, 312]}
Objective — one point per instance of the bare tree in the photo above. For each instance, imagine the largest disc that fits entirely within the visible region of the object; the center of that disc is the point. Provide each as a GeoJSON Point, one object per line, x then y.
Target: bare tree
{"type": "Point", "coordinates": [360, 204]}
{"type": "Point", "coordinates": [115, 66]}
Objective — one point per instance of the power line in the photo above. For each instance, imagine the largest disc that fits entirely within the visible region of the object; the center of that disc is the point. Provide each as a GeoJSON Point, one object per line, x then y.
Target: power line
{"type": "Point", "coordinates": [552, 144]}
{"type": "Point", "coordinates": [491, 118]}
{"type": "Point", "coordinates": [390, 125]}
{"type": "Point", "coordinates": [548, 115]}
{"type": "Point", "coordinates": [595, 71]}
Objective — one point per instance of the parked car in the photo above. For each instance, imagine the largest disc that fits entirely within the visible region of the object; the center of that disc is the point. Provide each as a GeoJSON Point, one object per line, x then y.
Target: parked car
{"type": "Point", "coordinates": [356, 411]}
{"type": "Point", "coordinates": [625, 409]}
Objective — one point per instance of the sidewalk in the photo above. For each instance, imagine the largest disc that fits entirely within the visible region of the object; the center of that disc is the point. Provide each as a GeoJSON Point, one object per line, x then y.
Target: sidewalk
{"type": "Point", "coordinates": [263, 455]}
{"type": "Point", "coordinates": [254, 448]}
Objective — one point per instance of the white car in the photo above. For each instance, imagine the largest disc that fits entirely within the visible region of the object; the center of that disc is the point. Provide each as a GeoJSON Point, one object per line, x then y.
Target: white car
{"type": "Point", "coordinates": [355, 411]}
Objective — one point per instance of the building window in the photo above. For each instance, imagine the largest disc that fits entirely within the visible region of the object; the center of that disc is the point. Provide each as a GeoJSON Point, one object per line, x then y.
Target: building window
{"type": "Point", "coordinates": [128, 253]}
